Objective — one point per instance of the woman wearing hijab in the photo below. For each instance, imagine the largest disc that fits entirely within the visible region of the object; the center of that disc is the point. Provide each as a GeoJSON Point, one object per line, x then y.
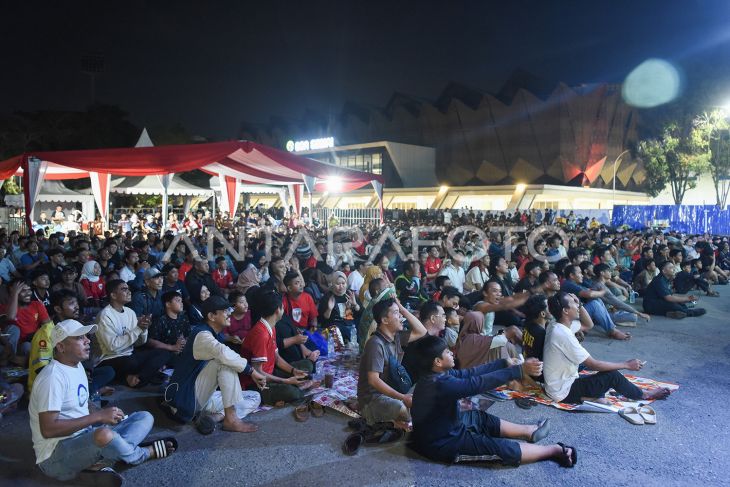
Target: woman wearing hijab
{"type": "Point", "coordinates": [199, 292]}
{"type": "Point", "coordinates": [473, 348]}
{"type": "Point", "coordinates": [247, 279]}
{"type": "Point", "coordinates": [339, 306]}
{"type": "Point", "coordinates": [372, 272]}
{"type": "Point", "coordinates": [92, 281]}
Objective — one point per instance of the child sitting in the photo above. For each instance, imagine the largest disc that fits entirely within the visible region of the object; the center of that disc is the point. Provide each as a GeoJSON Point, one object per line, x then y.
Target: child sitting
{"type": "Point", "coordinates": [453, 324]}
{"type": "Point", "coordinates": [442, 433]}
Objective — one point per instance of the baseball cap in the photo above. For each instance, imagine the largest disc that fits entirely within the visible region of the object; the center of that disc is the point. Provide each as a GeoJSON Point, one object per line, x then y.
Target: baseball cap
{"type": "Point", "coordinates": [151, 273]}
{"type": "Point", "coordinates": [69, 328]}
{"type": "Point", "coordinates": [213, 304]}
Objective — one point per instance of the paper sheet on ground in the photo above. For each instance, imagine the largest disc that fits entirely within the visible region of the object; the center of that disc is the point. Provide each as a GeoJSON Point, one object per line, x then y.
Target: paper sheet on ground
{"type": "Point", "coordinates": [617, 402]}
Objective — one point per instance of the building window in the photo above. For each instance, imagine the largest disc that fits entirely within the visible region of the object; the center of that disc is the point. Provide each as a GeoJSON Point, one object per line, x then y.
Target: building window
{"type": "Point", "coordinates": [377, 164]}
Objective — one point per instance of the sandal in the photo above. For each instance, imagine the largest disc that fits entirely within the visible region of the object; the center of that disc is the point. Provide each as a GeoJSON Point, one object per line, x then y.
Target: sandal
{"type": "Point", "coordinates": [316, 409]}
{"type": "Point", "coordinates": [524, 403]}
{"type": "Point", "coordinates": [160, 446]}
{"type": "Point", "coordinates": [105, 477]}
{"type": "Point", "coordinates": [543, 429]}
{"type": "Point", "coordinates": [301, 413]}
{"type": "Point", "coordinates": [353, 443]}
{"type": "Point", "coordinates": [205, 424]}
{"type": "Point", "coordinates": [632, 415]}
{"type": "Point", "coordinates": [385, 436]}
{"type": "Point", "coordinates": [647, 414]}
{"type": "Point", "coordinates": [573, 456]}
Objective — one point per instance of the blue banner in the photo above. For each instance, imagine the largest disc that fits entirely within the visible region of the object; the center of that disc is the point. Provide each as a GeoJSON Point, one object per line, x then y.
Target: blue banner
{"type": "Point", "coordinates": [695, 219]}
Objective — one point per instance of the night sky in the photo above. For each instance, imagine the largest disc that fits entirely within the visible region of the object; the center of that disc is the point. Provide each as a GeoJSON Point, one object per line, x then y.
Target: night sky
{"type": "Point", "coordinates": [211, 65]}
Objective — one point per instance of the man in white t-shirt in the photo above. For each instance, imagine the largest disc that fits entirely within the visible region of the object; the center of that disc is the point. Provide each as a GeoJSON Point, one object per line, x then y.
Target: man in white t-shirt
{"type": "Point", "coordinates": [563, 354]}
{"type": "Point", "coordinates": [64, 438]}
{"type": "Point", "coordinates": [121, 336]}
{"type": "Point", "coordinates": [357, 277]}
{"type": "Point", "coordinates": [454, 270]}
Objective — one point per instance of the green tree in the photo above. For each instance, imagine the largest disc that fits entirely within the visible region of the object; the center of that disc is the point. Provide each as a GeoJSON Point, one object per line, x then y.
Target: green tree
{"type": "Point", "coordinates": [716, 128]}
{"type": "Point", "coordinates": [676, 158]}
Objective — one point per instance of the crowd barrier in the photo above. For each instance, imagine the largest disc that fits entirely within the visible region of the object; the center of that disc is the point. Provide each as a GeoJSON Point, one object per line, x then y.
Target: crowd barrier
{"type": "Point", "coordinates": [688, 219]}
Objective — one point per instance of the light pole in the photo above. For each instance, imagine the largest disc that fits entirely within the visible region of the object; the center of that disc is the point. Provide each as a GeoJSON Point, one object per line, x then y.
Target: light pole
{"type": "Point", "coordinates": [613, 203]}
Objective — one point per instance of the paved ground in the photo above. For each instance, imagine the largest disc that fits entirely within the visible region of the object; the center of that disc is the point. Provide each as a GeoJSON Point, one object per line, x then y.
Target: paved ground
{"type": "Point", "coordinates": [690, 445]}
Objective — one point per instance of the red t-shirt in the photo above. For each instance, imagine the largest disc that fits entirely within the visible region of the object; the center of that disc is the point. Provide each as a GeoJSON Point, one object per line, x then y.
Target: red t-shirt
{"type": "Point", "coordinates": [96, 290]}
{"type": "Point", "coordinates": [30, 317]}
{"type": "Point", "coordinates": [221, 280]}
{"type": "Point", "coordinates": [183, 270]}
{"type": "Point", "coordinates": [432, 265]}
{"type": "Point", "coordinates": [301, 310]}
{"type": "Point", "coordinates": [259, 346]}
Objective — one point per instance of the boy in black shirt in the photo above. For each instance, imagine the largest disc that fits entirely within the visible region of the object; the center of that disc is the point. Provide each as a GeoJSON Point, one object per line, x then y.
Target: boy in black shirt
{"type": "Point", "coordinates": [533, 335]}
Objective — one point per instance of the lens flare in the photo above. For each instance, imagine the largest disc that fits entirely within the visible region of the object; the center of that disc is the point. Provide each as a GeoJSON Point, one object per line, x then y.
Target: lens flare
{"type": "Point", "coordinates": [652, 83]}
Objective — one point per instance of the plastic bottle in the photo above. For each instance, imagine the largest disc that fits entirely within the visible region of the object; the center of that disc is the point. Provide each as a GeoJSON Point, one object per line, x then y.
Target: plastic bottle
{"type": "Point", "coordinates": [353, 339]}
{"type": "Point", "coordinates": [330, 346]}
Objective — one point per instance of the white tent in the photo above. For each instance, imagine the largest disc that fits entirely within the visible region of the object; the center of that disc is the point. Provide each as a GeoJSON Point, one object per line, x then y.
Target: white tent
{"type": "Point", "coordinates": [153, 185]}
{"type": "Point", "coordinates": [52, 193]}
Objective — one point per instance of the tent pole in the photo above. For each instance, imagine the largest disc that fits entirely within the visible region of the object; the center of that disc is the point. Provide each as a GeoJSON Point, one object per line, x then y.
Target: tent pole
{"type": "Point", "coordinates": [311, 215]}
{"type": "Point", "coordinates": [213, 212]}
{"type": "Point", "coordinates": [165, 198]}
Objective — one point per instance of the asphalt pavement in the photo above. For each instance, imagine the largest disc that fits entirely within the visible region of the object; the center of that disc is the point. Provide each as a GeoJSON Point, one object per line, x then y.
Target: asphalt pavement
{"type": "Point", "coordinates": [690, 444]}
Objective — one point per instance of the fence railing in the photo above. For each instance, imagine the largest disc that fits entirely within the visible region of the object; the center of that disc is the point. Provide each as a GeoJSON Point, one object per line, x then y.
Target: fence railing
{"type": "Point", "coordinates": [356, 216]}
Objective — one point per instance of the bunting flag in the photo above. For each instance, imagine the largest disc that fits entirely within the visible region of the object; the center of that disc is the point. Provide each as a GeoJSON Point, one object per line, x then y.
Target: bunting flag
{"type": "Point", "coordinates": [100, 186]}
{"type": "Point", "coordinates": [34, 170]}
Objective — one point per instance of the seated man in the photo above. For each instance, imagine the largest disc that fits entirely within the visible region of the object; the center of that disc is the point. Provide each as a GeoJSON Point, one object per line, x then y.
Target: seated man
{"type": "Point", "coordinates": [623, 314]}
{"type": "Point", "coordinates": [64, 436]}
{"type": "Point", "coordinates": [563, 354]}
{"type": "Point", "coordinates": [379, 401]}
{"type": "Point", "coordinates": [659, 299]}
{"type": "Point", "coordinates": [25, 317]}
{"type": "Point", "coordinates": [593, 304]}
{"type": "Point", "coordinates": [442, 433]}
{"type": "Point", "coordinates": [171, 330]}
{"type": "Point", "coordinates": [285, 381]}
{"type": "Point", "coordinates": [533, 335]}
{"type": "Point", "coordinates": [492, 302]}
{"type": "Point", "coordinates": [148, 300]}
{"type": "Point", "coordinates": [408, 286]}
{"type": "Point", "coordinates": [120, 331]}
{"type": "Point", "coordinates": [433, 318]}
{"type": "Point", "coordinates": [206, 364]}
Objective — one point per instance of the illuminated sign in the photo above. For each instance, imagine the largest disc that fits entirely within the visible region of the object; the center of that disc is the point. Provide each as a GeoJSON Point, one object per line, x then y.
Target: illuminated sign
{"type": "Point", "coordinates": [311, 144]}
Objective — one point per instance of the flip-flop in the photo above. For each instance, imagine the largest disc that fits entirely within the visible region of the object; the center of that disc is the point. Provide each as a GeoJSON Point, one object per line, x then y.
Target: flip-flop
{"type": "Point", "coordinates": [524, 403]}
{"type": "Point", "coordinates": [105, 477]}
{"type": "Point", "coordinates": [353, 443]}
{"type": "Point", "coordinates": [647, 414]}
{"type": "Point", "coordinates": [573, 456]}
{"type": "Point", "coordinates": [543, 429]}
{"type": "Point", "coordinates": [632, 415]}
{"type": "Point", "coordinates": [160, 446]}
{"type": "Point", "coordinates": [205, 425]}
{"type": "Point", "coordinates": [301, 413]}
{"type": "Point", "coordinates": [316, 409]}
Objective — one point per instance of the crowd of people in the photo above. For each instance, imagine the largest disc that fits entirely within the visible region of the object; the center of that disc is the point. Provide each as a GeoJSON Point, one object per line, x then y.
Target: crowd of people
{"type": "Point", "coordinates": [217, 335]}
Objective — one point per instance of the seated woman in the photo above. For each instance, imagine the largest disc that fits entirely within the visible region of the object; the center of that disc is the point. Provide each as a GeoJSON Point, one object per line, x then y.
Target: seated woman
{"type": "Point", "coordinates": [442, 433]}
{"type": "Point", "coordinates": [474, 348]}
{"type": "Point", "coordinates": [198, 294]}
{"type": "Point", "coordinates": [339, 307]}
{"type": "Point", "coordinates": [93, 283]}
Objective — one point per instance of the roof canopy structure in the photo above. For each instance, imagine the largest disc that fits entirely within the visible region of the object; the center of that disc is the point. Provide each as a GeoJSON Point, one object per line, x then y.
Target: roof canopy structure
{"type": "Point", "coordinates": [154, 185]}
{"type": "Point", "coordinates": [237, 163]}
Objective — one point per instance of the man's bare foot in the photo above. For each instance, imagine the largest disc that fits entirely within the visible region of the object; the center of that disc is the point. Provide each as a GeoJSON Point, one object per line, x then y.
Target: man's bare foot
{"type": "Point", "coordinates": [564, 456]}
{"type": "Point", "coordinates": [153, 454]}
{"type": "Point", "coordinates": [658, 393]}
{"type": "Point", "coordinates": [515, 385]}
{"type": "Point", "coordinates": [619, 335]}
{"type": "Point", "coordinates": [132, 380]}
{"type": "Point", "coordinates": [238, 426]}
{"type": "Point", "coordinates": [309, 384]}
{"type": "Point", "coordinates": [599, 400]}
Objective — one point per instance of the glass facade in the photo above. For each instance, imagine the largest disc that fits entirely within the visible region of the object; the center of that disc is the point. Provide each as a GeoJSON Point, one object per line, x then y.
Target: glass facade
{"type": "Point", "coordinates": [362, 162]}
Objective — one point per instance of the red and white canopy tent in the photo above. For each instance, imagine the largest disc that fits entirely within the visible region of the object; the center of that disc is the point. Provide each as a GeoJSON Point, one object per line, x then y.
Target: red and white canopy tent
{"type": "Point", "coordinates": [237, 163]}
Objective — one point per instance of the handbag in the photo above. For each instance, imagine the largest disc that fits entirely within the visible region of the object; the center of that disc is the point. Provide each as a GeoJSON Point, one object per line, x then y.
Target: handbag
{"type": "Point", "coordinates": [398, 377]}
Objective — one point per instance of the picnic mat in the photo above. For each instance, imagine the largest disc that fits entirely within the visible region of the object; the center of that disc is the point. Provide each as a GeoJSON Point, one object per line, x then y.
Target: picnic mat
{"type": "Point", "coordinates": [344, 367]}
{"type": "Point", "coordinates": [617, 402]}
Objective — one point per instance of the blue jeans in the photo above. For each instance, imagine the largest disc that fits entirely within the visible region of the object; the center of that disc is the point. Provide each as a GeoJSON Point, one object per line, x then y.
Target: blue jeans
{"type": "Point", "coordinates": [622, 316]}
{"type": "Point", "coordinates": [14, 338]}
{"type": "Point", "coordinates": [599, 314]}
{"type": "Point", "coordinates": [73, 455]}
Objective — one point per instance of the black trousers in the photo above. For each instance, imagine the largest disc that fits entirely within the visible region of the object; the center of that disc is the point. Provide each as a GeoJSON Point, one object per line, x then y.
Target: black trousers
{"type": "Point", "coordinates": [597, 385]}
{"type": "Point", "coordinates": [660, 307]}
{"type": "Point", "coordinates": [144, 362]}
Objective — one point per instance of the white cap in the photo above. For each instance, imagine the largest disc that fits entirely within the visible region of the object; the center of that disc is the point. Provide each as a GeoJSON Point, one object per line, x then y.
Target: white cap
{"type": "Point", "coordinates": [69, 328]}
